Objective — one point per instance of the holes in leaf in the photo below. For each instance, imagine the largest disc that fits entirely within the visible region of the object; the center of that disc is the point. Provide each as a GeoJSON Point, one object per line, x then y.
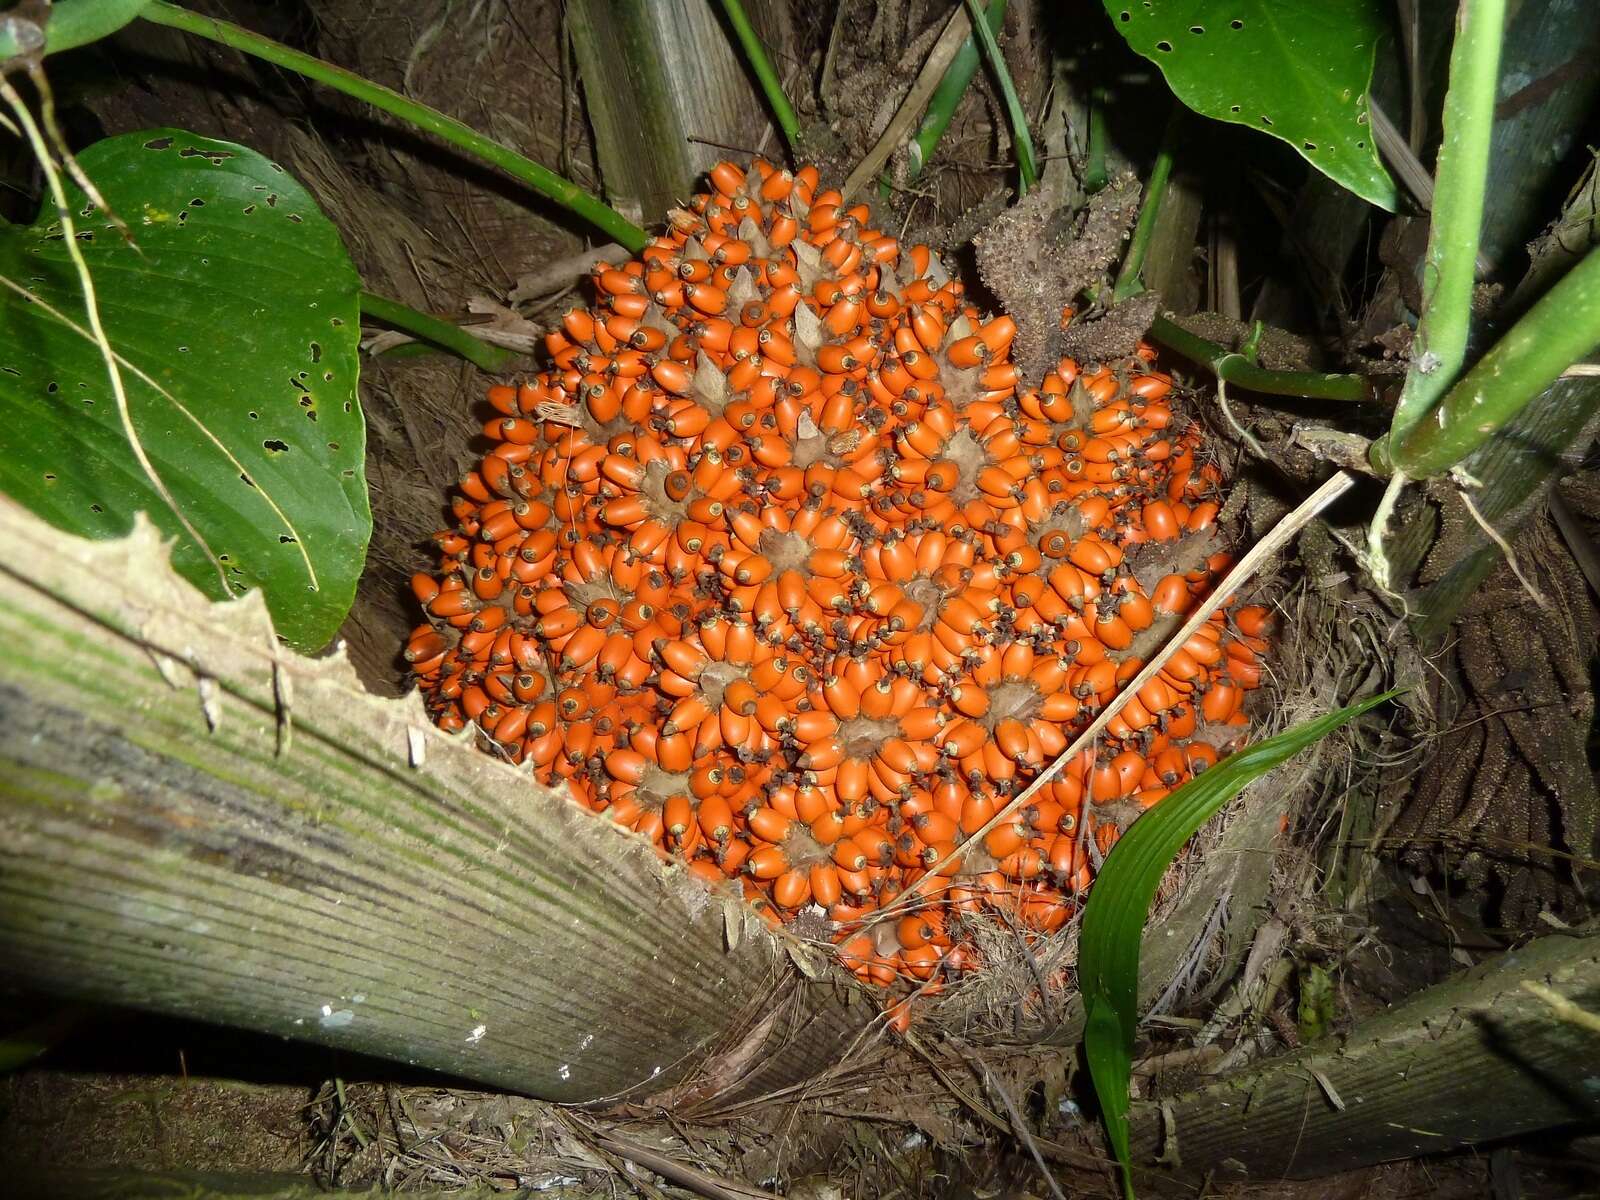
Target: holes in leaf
{"type": "Point", "coordinates": [336, 322]}
{"type": "Point", "coordinates": [272, 199]}
{"type": "Point", "coordinates": [52, 387]}
{"type": "Point", "coordinates": [197, 203]}
{"type": "Point", "coordinates": [1361, 145]}
{"type": "Point", "coordinates": [214, 157]}
{"type": "Point", "coordinates": [1310, 147]}
{"type": "Point", "coordinates": [1234, 108]}
{"type": "Point", "coordinates": [96, 508]}
{"type": "Point", "coordinates": [316, 351]}
{"type": "Point", "coordinates": [1236, 24]}
{"type": "Point", "coordinates": [1197, 29]}
{"type": "Point", "coordinates": [1164, 46]}
{"type": "Point", "coordinates": [49, 476]}
{"type": "Point", "coordinates": [1266, 120]}
{"type": "Point", "coordinates": [285, 540]}
{"type": "Point", "coordinates": [183, 349]}
{"type": "Point", "coordinates": [275, 446]}
{"type": "Point", "coordinates": [295, 219]}
{"type": "Point", "coordinates": [334, 446]}
{"type": "Point", "coordinates": [162, 143]}
{"type": "Point", "coordinates": [248, 209]}
{"type": "Point", "coordinates": [1127, 16]}
{"type": "Point", "coordinates": [244, 478]}
{"type": "Point", "coordinates": [255, 416]}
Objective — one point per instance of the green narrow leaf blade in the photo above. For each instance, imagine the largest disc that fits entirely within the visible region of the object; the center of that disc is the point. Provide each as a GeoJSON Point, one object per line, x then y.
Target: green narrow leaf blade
{"type": "Point", "coordinates": [1299, 72]}
{"type": "Point", "coordinates": [948, 95]}
{"type": "Point", "coordinates": [1119, 902]}
{"type": "Point", "coordinates": [1022, 139]}
{"type": "Point", "coordinates": [76, 23]}
{"type": "Point", "coordinates": [68, 25]}
{"type": "Point", "coordinates": [235, 317]}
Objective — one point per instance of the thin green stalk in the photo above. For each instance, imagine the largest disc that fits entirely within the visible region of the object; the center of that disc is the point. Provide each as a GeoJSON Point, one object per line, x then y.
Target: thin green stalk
{"type": "Point", "coordinates": [1027, 173]}
{"type": "Point", "coordinates": [1460, 179]}
{"type": "Point", "coordinates": [1128, 278]}
{"type": "Point", "coordinates": [942, 108]}
{"type": "Point", "coordinates": [544, 181]}
{"type": "Point", "coordinates": [766, 74]}
{"type": "Point", "coordinates": [1559, 330]}
{"type": "Point", "coordinates": [1235, 368]}
{"type": "Point", "coordinates": [409, 350]}
{"type": "Point", "coordinates": [441, 333]}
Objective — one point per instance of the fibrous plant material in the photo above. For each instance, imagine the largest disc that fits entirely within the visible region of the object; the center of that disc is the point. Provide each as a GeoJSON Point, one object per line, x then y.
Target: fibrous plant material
{"type": "Point", "coordinates": [1037, 256]}
{"type": "Point", "coordinates": [1507, 799]}
{"type": "Point", "coordinates": [784, 565]}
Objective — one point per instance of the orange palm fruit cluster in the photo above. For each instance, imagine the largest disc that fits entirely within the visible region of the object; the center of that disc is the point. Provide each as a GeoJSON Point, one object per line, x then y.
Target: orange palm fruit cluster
{"type": "Point", "coordinates": [780, 564]}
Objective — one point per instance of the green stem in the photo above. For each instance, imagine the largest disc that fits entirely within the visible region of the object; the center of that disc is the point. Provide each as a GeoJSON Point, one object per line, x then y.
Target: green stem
{"type": "Point", "coordinates": [543, 180]}
{"type": "Point", "coordinates": [1460, 179]}
{"type": "Point", "coordinates": [766, 74]}
{"type": "Point", "coordinates": [1559, 330]}
{"type": "Point", "coordinates": [942, 108]}
{"type": "Point", "coordinates": [441, 333]}
{"type": "Point", "coordinates": [1128, 281]}
{"type": "Point", "coordinates": [1095, 175]}
{"type": "Point", "coordinates": [1235, 368]}
{"type": "Point", "coordinates": [1027, 173]}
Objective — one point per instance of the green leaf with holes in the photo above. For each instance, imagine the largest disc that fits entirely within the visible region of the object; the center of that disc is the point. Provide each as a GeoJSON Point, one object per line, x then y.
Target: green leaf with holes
{"type": "Point", "coordinates": [1297, 71]}
{"type": "Point", "coordinates": [233, 316]}
{"type": "Point", "coordinates": [1119, 902]}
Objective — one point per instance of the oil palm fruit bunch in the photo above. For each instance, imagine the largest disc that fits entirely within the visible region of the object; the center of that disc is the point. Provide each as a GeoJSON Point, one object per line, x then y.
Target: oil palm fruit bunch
{"type": "Point", "coordinates": [781, 565]}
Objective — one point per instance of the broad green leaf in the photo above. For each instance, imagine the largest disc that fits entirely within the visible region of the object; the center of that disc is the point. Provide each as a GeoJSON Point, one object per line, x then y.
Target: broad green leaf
{"type": "Point", "coordinates": [1297, 71]}
{"type": "Point", "coordinates": [234, 316]}
{"type": "Point", "coordinates": [1119, 902]}
{"type": "Point", "coordinates": [71, 23]}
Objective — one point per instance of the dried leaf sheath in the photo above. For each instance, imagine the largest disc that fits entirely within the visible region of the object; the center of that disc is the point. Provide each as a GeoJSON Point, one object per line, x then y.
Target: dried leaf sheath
{"type": "Point", "coordinates": [450, 915]}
